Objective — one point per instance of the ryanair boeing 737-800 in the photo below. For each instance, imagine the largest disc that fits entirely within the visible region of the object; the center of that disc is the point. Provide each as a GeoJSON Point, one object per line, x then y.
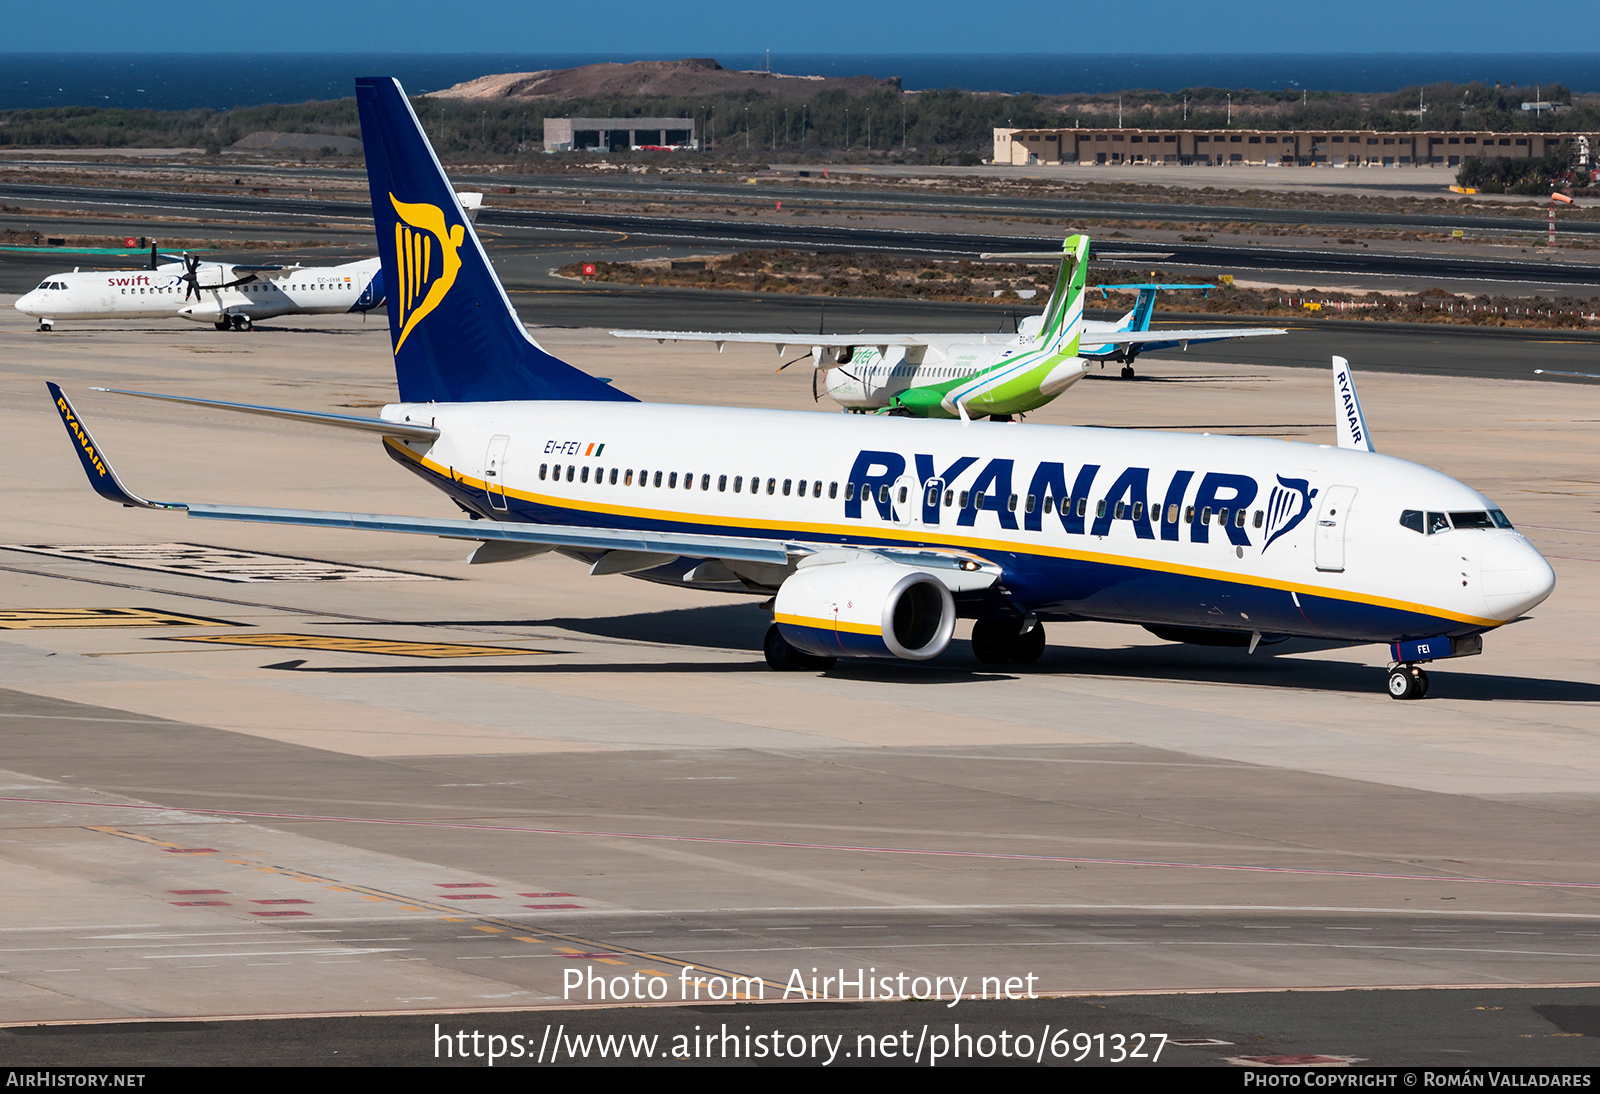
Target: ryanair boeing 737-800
{"type": "Point", "coordinates": [872, 535]}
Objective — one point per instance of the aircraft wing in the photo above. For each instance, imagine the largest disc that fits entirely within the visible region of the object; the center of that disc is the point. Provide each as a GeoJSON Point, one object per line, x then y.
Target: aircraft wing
{"type": "Point", "coordinates": [105, 481]}
{"type": "Point", "coordinates": [788, 338]}
{"type": "Point", "coordinates": [1166, 339]}
{"type": "Point", "coordinates": [960, 571]}
{"type": "Point", "coordinates": [1200, 334]}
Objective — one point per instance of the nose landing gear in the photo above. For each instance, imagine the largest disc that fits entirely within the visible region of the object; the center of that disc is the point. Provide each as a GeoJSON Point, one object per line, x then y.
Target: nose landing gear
{"type": "Point", "coordinates": [1407, 682]}
{"type": "Point", "coordinates": [47, 325]}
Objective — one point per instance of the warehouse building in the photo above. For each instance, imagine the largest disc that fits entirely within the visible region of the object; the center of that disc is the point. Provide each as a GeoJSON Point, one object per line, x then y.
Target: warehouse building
{"type": "Point", "coordinates": [1347, 148]}
{"type": "Point", "coordinates": [619, 134]}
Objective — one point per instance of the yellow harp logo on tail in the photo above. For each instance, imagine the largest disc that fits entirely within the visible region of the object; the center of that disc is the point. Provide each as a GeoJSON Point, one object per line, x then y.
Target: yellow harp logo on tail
{"type": "Point", "coordinates": [418, 234]}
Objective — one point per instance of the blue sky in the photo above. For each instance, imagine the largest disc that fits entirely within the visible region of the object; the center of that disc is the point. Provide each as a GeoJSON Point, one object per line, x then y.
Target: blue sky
{"type": "Point", "coordinates": [706, 27]}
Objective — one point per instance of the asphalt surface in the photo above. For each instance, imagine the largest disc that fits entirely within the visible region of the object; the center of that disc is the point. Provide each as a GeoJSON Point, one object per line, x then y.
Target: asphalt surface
{"type": "Point", "coordinates": [296, 815]}
{"type": "Point", "coordinates": [1489, 1026]}
{"type": "Point", "coordinates": [1571, 277]}
{"type": "Point", "coordinates": [857, 196]}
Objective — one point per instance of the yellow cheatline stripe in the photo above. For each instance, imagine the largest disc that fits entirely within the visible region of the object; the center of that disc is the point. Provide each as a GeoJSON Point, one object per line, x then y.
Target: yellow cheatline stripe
{"type": "Point", "coordinates": [824, 624]}
{"type": "Point", "coordinates": [20, 619]}
{"type": "Point", "coordinates": [928, 537]}
{"type": "Point", "coordinates": [339, 644]}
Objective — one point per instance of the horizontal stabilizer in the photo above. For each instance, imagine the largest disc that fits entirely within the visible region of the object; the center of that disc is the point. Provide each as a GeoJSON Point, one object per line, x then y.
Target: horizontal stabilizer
{"type": "Point", "coordinates": [404, 430]}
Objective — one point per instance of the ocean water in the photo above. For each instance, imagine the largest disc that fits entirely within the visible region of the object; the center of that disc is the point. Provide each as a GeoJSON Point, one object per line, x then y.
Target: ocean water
{"type": "Point", "coordinates": [225, 80]}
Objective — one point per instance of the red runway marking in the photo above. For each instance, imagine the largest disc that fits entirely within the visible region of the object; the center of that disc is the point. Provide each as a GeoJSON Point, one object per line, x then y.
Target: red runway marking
{"type": "Point", "coordinates": [857, 848]}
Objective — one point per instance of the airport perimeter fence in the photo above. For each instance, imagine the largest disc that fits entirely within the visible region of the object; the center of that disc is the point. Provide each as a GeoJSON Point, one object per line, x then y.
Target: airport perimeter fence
{"type": "Point", "coordinates": [1447, 307]}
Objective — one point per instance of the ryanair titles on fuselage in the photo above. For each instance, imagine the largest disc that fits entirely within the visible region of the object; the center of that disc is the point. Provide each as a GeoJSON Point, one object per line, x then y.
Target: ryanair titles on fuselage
{"type": "Point", "coordinates": [1073, 499]}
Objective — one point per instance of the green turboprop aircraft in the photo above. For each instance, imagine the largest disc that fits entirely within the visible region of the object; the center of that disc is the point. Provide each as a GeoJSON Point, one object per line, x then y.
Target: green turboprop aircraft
{"type": "Point", "coordinates": [970, 376]}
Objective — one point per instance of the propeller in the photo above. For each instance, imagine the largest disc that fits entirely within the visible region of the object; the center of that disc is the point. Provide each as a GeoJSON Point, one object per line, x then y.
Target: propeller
{"type": "Point", "coordinates": [191, 275]}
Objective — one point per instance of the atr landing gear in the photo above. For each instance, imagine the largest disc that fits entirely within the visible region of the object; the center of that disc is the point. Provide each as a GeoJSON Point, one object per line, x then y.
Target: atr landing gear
{"type": "Point", "coordinates": [996, 641]}
{"type": "Point", "coordinates": [1127, 372]}
{"type": "Point", "coordinates": [47, 325]}
{"type": "Point", "coordinates": [242, 322]}
{"type": "Point", "coordinates": [783, 657]}
{"type": "Point", "coordinates": [1407, 682]}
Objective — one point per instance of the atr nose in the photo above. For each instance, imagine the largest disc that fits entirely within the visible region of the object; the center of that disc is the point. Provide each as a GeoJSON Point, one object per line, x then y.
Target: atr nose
{"type": "Point", "coordinates": [1515, 576]}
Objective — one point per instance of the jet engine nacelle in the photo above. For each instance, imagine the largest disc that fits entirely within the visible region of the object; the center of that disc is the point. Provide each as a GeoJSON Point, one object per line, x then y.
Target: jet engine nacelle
{"type": "Point", "coordinates": [865, 608]}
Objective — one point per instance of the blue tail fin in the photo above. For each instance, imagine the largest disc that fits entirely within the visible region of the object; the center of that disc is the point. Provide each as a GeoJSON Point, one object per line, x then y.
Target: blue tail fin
{"type": "Point", "coordinates": [456, 336]}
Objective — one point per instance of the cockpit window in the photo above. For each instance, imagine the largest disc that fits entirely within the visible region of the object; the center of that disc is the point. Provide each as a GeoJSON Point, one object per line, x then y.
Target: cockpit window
{"type": "Point", "coordinates": [46, 285]}
{"type": "Point", "coordinates": [1500, 519]}
{"type": "Point", "coordinates": [1412, 519]}
{"type": "Point", "coordinates": [1437, 522]}
{"type": "Point", "coordinates": [1472, 519]}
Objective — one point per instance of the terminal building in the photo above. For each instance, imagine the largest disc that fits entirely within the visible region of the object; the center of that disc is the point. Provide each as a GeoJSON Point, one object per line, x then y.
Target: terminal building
{"type": "Point", "coordinates": [619, 134]}
{"type": "Point", "coordinates": [1349, 148]}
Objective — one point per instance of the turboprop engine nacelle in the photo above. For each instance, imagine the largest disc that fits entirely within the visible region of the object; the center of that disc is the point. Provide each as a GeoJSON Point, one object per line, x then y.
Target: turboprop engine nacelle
{"type": "Point", "coordinates": [201, 313]}
{"type": "Point", "coordinates": [862, 607]}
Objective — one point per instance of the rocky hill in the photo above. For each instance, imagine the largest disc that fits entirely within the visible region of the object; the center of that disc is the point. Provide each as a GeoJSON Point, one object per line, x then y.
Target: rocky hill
{"type": "Point", "coordinates": [692, 77]}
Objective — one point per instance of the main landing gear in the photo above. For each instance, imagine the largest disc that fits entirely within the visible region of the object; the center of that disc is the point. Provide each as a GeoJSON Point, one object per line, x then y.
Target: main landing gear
{"type": "Point", "coordinates": [1127, 372]}
{"type": "Point", "coordinates": [1407, 682]}
{"type": "Point", "coordinates": [998, 640]}
{"type": "Point", "coordinates": [782, 657]}
{"type": "Point", "coordinates": [234, 322]}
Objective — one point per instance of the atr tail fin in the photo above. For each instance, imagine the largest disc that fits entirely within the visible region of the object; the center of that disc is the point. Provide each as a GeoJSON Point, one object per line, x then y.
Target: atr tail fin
{"type": "Point", "coordinates": [1063, 315]}
{"type": "Point", "coordinates": [456, 336]}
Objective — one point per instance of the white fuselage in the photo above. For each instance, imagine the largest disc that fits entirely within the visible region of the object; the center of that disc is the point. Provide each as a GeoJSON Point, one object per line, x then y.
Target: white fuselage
{"type": "Point", "coordinates": [870, 380]}
{"type": "Point", "coordinates": [1152, 531]}
{"type": "Point", "coordinates": [164, 293]}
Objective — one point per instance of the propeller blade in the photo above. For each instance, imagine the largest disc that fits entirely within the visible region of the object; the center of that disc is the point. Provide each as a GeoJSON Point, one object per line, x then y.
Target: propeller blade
{"type": "Point", "coordinates": [786, 364]}
{"type": "Point", "coordinates": [815, 397]}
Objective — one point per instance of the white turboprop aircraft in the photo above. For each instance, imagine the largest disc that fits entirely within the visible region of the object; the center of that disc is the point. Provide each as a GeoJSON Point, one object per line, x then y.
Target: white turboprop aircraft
{"type": "Point", "coordinates": [225, 294]}
{"type": "Point", "coordinates": [873, 535]}
{"type": "Point", "coordinates": [221, 293]}
{"type": "Point", "coordinates": [980, 375]}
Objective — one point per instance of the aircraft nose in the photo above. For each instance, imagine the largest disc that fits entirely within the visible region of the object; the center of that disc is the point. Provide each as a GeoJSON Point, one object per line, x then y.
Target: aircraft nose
{"type": "Point", "coordinates": [26, 300]}
{"type": "Point", "coordinates": [1516, 577]}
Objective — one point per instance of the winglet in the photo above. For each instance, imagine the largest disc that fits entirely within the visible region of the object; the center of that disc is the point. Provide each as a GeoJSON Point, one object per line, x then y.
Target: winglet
{"type": "Point", "coordinates": [1352, 424]}
{"type": "Point", "coordinates": [101, 474]}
